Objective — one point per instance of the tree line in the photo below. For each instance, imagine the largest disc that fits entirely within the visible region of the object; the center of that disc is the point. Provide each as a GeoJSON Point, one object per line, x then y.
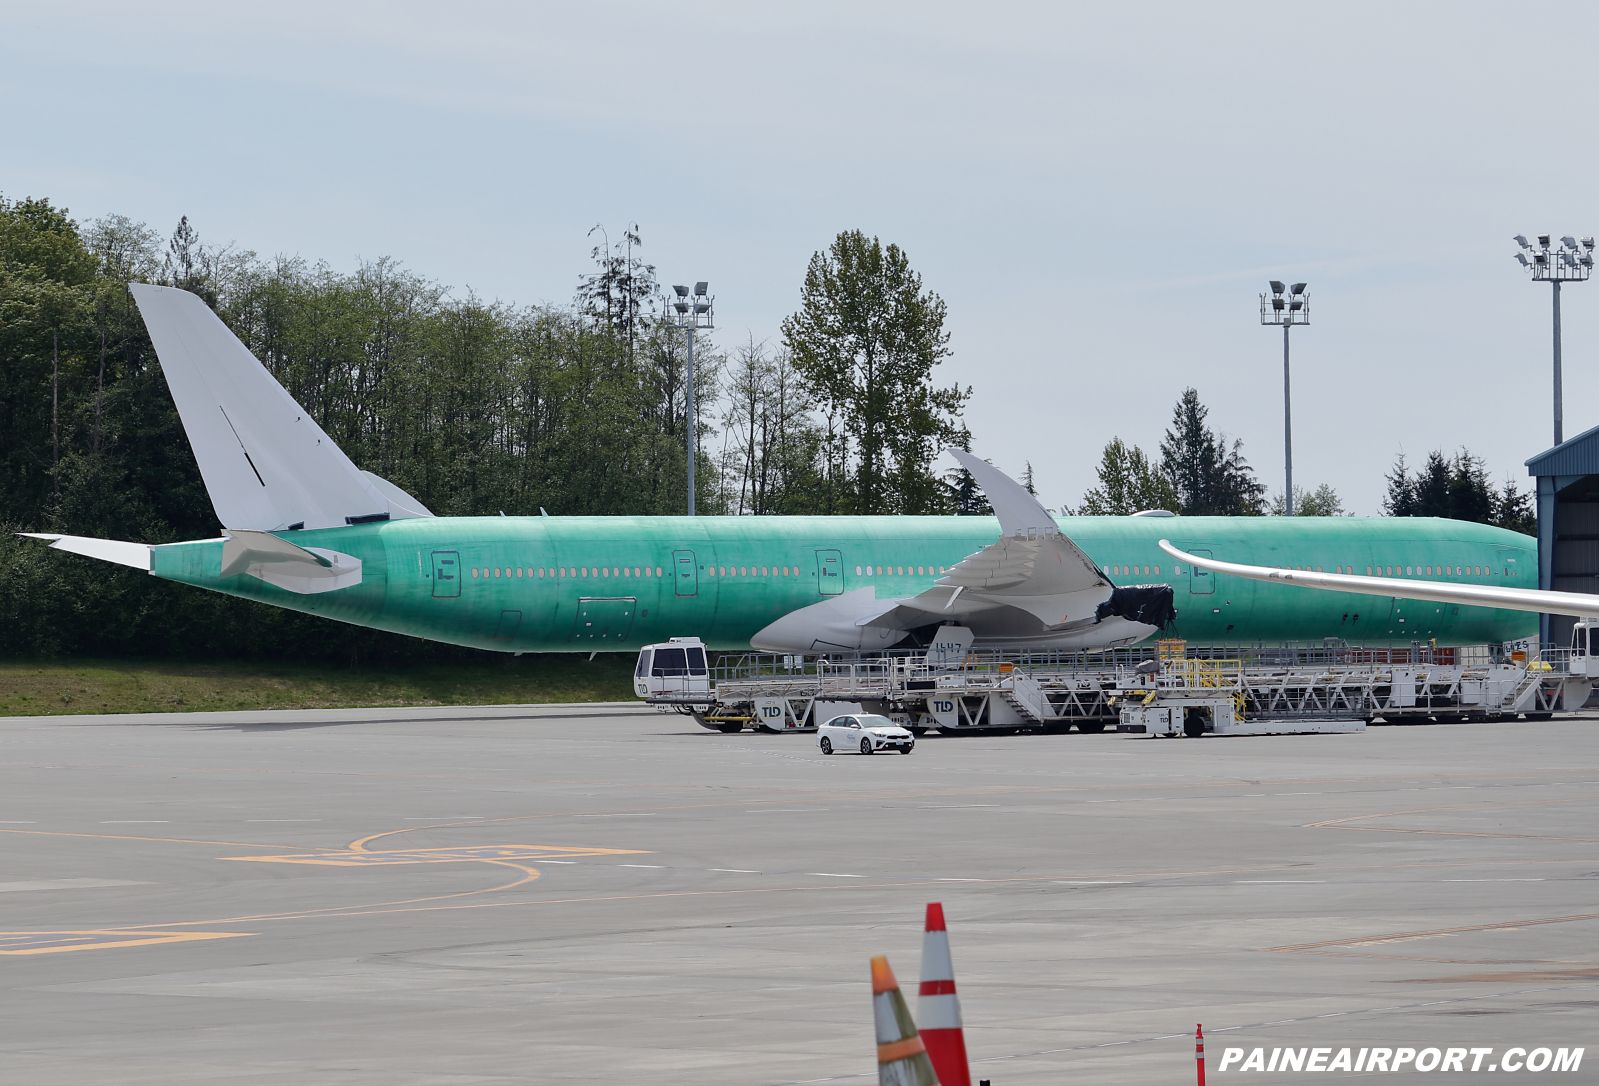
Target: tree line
{"type": "Point", "coordinates": [1201, 473]}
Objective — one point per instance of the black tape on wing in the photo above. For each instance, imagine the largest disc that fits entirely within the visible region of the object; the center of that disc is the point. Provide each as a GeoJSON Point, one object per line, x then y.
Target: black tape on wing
{"type": "Point", "coordinates": [1150, 604]}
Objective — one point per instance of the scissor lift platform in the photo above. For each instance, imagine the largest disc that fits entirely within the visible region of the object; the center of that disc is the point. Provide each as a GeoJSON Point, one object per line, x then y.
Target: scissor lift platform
{"type": "Point", "coordinates": [1165, 688]}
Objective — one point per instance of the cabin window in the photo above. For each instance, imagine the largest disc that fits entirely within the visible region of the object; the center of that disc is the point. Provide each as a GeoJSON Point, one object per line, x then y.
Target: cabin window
{"type": "Point", "coordinates": [1389, 571]}
{"type": "Point", "coordinates": [1157, 571]}
{"type": "Point", "coordinates": [658, 571]}
{"type": "Point", "coordinates": [584, 570]}
{"type": "Point", "coordinates": [1318, 569]}
{"type": "Point", "coordinates": [765, 572]}
{"type": "Point", "coordinates": [785, 571]}
{"type": "Point", "coordinates": [474, 571]}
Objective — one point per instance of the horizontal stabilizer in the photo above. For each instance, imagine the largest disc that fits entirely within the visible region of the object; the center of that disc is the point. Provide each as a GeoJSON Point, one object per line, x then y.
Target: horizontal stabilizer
{"type": "Point", "coordinates": [306, 570]}
{"type": "Point", "coordinates": [136, 555]}
{"type": "Point", "coordinates": [1539, 600]}
{"type": "Point", "coordinates": [267, 465]}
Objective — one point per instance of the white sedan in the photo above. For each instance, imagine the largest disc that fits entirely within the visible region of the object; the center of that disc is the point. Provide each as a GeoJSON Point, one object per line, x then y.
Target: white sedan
{"type": "Point", "coordinates": [867, 734]}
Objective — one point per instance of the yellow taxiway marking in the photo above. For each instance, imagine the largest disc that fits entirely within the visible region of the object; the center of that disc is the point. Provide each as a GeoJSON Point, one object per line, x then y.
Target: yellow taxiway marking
{"type": "Point", "coordinates": [58, 942]}
{"type": "Point", "coordinates": [356, 857]}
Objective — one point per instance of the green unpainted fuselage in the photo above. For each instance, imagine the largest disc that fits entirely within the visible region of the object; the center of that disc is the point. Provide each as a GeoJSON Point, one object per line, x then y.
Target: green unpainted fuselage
{"type": "Point", "coordinates": [581, 584]}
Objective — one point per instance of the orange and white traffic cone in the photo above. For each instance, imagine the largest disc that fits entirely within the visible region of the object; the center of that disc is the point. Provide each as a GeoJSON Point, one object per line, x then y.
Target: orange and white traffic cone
{"type": "Point", "coordinates": [938, 1008]}
{"type": "Point", "coordinates": [1199, 1052]}
{"type": "Point", "coordinates": [901, 1056]}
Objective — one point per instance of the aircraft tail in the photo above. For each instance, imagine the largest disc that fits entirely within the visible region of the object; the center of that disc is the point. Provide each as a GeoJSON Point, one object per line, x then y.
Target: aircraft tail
{"type": "Point", "coordinates": [267, 465]}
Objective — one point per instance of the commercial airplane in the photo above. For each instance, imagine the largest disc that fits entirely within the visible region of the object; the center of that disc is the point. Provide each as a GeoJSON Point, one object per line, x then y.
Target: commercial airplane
{"type": "Point", "coordinates": [304, 528]}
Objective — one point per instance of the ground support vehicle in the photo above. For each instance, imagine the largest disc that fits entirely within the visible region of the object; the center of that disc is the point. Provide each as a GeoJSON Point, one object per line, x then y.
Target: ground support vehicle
{"type": "Point", "coordinates": [1162, 688]}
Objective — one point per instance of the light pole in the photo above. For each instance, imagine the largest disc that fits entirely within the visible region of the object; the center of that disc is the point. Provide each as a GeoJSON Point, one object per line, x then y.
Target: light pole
{"type": "Point", "coordinates": [1287, 311]}
{"type": "Point", "coordinates": [690, 313]}
{"type": "Point", "coordinates": [1570, 263]}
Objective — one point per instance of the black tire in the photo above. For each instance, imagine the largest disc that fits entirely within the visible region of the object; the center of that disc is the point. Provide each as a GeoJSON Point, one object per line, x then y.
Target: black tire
{"type": "Point", "coordinates": [1539, 716]}
{"type": "Point", "coordinates": [866, 746]}
{"type": "Point", "coordinates": [917, 732]}
{"type": "Point", "coordinates": [729, 729]}
{"type": "Point", "coordinates": [1090, 727]}
{"type": "Point", "coordinates": [1193, 725]}
{"type": "Point", "coordinates": [827, 745]}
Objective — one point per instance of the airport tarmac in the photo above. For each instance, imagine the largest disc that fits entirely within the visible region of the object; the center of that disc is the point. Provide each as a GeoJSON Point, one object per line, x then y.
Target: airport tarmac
{"type": "Point", "coordinates": [605, 894]}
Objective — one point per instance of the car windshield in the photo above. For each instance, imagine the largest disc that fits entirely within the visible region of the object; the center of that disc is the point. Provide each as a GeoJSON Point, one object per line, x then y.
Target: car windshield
{"type": "Point", "coordinates": [877, 722]}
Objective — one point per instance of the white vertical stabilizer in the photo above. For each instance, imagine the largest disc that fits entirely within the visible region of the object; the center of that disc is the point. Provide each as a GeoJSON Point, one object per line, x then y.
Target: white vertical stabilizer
{"type": "Point", "coordinates": [266, 463]}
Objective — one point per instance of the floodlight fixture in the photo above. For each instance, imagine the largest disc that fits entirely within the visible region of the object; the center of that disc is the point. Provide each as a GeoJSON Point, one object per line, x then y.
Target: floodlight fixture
{"type": "Point", "coordinates": [1572, 262]}
{"type": "Point", "coordinates": [692, 313]}
{"type": "Point", "coordinates": [1521, 240]}
{"type": "Point", "coordinates": [1286, 312]}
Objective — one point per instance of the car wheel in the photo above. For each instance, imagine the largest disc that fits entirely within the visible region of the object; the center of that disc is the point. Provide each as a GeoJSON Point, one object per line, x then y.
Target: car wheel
{"type": "Point", "coordinates": [866, 746]}
{"type": "Point", "coordinates": [827, 745]}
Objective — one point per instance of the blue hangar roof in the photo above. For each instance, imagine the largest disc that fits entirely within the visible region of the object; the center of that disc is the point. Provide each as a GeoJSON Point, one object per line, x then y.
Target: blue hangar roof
{"type": "Point", "coordinates": [1574, 456]}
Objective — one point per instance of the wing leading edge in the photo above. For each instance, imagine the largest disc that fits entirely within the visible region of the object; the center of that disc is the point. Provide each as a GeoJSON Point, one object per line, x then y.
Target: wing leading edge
{"type": "Point", "coordinates": [1541, 601]}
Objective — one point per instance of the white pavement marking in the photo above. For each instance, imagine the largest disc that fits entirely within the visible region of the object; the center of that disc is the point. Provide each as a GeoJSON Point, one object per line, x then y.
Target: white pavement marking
{"type": "Point", "coordinates": [733, 871]}
{"type": "Point", "coordinates": [1278, 882]}
{"type": "Point", "coordinates": [657, 866]}
{"type": "Point", "coordinates": [283, 820]}
{"type": "Point", "coordinates": [834, 875]}
{"type": "Point", "coordinates": [1493, 880]}
{"type": "Point", "coordinates": [136, 822]}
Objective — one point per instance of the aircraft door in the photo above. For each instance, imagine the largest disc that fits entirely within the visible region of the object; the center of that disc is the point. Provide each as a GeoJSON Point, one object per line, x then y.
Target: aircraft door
{"type": "Point", "coordinates": [1201, 582]}
{"type": "Point", "coordinates": [446, 575]}
{"type": "Point", "coordinates": [685, 574]}
{"type": "Point", "coordinates": [830, 573]}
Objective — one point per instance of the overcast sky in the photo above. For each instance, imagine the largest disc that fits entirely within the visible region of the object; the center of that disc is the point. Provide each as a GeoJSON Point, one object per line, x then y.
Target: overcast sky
{"type": "Point", "coordinates": [1099, 192]}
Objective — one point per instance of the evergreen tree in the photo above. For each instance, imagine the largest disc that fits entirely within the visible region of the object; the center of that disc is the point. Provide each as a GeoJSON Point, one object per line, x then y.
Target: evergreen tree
{"type": "Point", "coordinates": [1210, 475]}
{"type": "Point", "coordinates": [1400, 501]}
{"type": "Point", "coordinates": [1457, 489]}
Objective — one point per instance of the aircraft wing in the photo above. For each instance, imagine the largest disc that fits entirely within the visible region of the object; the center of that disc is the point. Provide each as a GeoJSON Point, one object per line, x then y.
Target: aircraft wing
{"type": "Point", "coordinates": [1539, 600]}
{"type": "Point", "coordinates": [1032, 566]}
